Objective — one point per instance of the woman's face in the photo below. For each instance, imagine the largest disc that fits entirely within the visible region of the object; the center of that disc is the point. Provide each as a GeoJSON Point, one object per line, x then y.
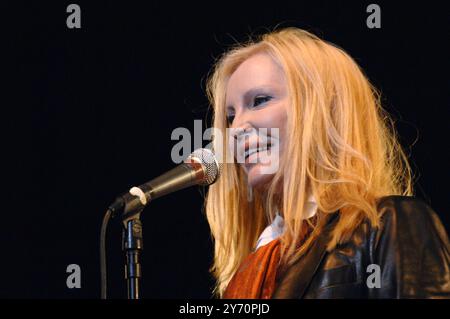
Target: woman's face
{"type": "Point", "coordinates": [257, 101]}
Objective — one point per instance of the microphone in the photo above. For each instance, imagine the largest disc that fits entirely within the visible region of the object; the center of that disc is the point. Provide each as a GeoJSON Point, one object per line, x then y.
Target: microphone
{"type": "Point", "coordinates": [199, 168]}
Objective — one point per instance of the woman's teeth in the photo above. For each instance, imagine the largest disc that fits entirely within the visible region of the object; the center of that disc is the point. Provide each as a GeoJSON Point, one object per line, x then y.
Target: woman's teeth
{"type": "Point", "coordinates": [252, 151]}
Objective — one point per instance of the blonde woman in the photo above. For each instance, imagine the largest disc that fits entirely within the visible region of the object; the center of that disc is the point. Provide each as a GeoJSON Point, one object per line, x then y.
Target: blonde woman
{"type": "Point", "coordinates": [336, 218]}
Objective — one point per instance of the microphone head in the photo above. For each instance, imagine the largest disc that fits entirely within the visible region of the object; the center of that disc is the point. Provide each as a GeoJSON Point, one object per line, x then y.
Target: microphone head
{"type": "Point", "coordinates": [211, 166]}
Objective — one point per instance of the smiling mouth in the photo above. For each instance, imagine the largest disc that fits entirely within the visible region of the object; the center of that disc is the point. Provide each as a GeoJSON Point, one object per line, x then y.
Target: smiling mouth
{"type": "Point", "coordinates": [251, 151]}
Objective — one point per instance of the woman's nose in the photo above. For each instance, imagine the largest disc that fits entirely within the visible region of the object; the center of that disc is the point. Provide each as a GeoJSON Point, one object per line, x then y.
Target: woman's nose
{"type": "Point", "coordinates": [240, 125]}
{"type": "Point", "coordinates": [240, 132]}
{"type": "Point", "coordinates": [242, 120]}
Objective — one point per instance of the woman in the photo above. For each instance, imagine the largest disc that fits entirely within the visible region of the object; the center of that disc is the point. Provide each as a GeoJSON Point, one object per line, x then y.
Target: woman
{"type": "Point", "coordinates": [336, 218]}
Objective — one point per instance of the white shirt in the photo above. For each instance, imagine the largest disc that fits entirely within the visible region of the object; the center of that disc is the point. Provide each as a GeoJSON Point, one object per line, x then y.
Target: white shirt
{"type": "Point", "coordinates": [277, 228]}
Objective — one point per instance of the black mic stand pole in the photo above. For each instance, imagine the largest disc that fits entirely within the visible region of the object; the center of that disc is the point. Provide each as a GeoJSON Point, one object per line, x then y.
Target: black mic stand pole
{"type": "Point", "coordinates": [132, 245]}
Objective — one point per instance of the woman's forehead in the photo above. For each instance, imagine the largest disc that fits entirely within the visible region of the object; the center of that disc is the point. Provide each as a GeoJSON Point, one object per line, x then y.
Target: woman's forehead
{"type": "Point", "coordinates": [258, 71]}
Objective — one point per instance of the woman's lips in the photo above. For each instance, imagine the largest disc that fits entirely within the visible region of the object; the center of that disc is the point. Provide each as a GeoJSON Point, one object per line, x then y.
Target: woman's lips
{"type": "Point", "coordinates": [251, 155]}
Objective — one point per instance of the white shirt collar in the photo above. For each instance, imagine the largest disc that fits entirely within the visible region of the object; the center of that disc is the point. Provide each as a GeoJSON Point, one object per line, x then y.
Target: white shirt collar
{"type": "Point", "coordinates": [276, 228]}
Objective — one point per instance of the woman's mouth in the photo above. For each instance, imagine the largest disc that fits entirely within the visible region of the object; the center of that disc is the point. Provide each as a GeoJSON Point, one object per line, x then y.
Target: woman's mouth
{"type": "Point", "coordinates": [248, 154]}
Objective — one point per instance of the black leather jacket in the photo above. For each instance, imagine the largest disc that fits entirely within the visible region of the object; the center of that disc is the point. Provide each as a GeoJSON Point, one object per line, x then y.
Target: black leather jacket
{"type": "Point", "coordinates": [411, 249]}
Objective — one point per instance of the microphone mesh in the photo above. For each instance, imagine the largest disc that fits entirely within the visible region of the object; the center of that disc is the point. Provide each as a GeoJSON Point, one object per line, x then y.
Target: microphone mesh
{"type": "Point", "coordinates": [211, 167]}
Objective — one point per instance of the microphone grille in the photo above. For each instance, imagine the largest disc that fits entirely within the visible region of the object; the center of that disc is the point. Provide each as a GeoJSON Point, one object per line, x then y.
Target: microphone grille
{"type": "Point", "coordinates": [211, 167]}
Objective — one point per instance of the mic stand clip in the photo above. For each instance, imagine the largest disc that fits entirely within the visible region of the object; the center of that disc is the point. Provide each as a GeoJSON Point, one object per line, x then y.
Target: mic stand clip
{"type": "Point", "coordinates": [132, 245]}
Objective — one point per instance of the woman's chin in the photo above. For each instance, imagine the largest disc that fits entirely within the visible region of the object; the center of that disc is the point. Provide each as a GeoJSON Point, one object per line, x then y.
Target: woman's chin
{"type": "Point", "coordinates": [256, 177]}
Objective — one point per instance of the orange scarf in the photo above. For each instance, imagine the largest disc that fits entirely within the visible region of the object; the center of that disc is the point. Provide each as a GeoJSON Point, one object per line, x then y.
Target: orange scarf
{"type": "Point", "coordinates": [256, 276]}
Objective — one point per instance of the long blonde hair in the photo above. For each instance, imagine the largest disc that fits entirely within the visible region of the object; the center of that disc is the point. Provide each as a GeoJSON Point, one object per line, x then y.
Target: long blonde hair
{"type": "Point", "coordinates": [343, 150]}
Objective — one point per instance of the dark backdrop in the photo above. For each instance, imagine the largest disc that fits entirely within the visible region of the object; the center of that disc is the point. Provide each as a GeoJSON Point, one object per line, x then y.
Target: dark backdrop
{"type": "Point", "coordinates": [89, 112]}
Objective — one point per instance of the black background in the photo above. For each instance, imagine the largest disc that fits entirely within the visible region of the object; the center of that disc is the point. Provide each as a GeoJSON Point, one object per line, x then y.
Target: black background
{"type": "Point", "coordinates": [87, 113]}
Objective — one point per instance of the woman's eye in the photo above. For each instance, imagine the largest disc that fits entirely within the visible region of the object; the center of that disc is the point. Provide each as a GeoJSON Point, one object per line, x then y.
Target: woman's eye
{"type": "Point", "coordinates": [261, 99]}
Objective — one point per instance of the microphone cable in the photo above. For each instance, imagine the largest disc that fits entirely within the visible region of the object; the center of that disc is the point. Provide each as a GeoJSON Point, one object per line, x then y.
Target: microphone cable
{"type": "Point", "coordinates": [103, 268]}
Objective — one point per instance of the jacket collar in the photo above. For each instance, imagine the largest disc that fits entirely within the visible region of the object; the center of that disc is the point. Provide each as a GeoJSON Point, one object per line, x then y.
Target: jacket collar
{"type": "Point", "coordinates": [298, 276]}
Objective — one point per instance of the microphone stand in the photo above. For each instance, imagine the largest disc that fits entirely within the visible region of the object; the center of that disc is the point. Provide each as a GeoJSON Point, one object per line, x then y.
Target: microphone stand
{"type": "Point", "coordinates": [201, 168]}
{"type": "Point", "coordinates": [132, 245]}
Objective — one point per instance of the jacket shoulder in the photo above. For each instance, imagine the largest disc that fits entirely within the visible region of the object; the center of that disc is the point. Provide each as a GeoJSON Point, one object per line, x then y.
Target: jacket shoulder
{"type": "Point", "coordinates": [403, 205]}
{"type": "Point", "coordinates": [408, 211]}
{"type": "Point", "coordinates": [410, 216]}
{"type": "Point", "coordinates": [413, 248]}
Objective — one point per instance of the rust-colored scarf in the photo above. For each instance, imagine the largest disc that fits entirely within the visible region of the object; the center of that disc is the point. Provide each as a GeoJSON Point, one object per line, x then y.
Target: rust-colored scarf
{"type": "Point", "coordinates": [256, 276]}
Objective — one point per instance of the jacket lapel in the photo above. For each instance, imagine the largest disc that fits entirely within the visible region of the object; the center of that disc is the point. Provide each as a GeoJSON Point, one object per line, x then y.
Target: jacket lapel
{"type": "Point", "coordinates": [297, 277]}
